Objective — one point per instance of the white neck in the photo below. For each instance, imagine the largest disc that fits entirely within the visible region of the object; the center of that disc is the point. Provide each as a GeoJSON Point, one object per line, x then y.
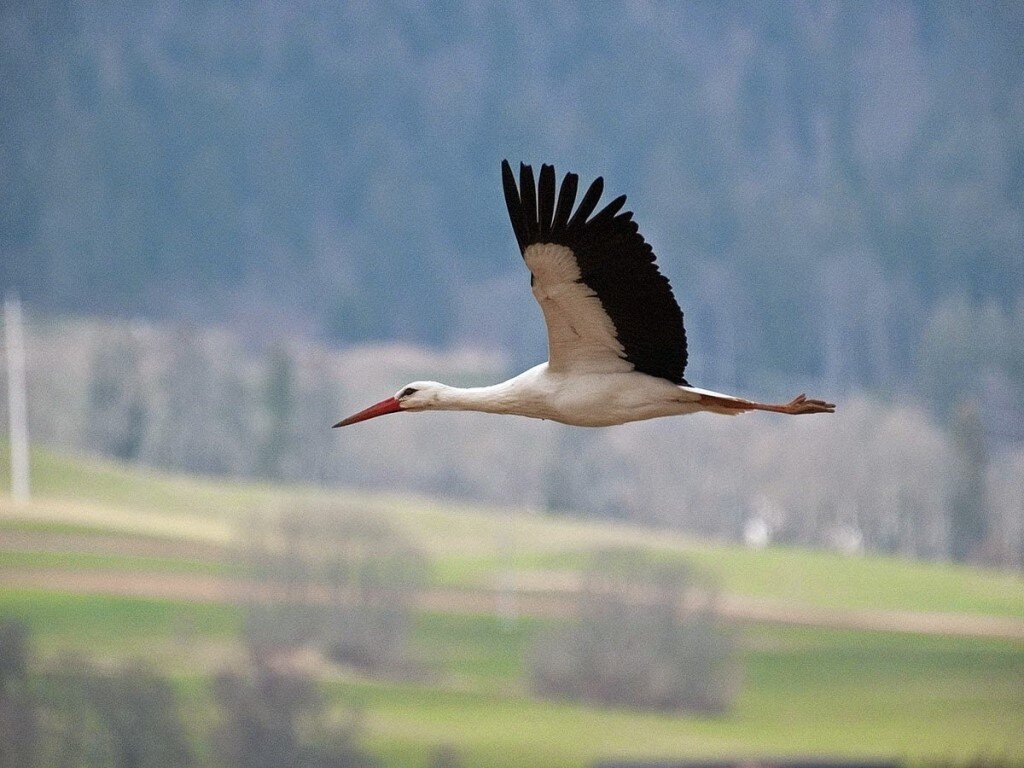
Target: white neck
{"type": "Point", "coordinates": [498, 398]}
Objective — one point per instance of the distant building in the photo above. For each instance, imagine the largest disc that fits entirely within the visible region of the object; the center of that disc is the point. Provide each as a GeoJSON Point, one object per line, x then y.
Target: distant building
{"type": "Point", "coordinates": [757, 534]}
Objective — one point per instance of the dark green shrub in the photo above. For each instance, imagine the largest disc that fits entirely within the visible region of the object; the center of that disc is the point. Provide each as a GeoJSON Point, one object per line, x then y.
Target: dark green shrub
{"type": "Point", "coordinates": [127, 717]}
{"type": "Point", "coordinates": [18, 726]}
{"type": "Point", "coordinates": [276, 717]}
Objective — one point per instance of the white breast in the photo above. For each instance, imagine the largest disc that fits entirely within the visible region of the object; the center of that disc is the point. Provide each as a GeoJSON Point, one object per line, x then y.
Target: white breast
{"type": "Point", "coordinates": [596, 400]}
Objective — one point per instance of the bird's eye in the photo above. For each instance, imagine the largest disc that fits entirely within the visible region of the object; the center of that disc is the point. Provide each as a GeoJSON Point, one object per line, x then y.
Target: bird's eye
{"type": "Point", "coordinates": [406, 392]}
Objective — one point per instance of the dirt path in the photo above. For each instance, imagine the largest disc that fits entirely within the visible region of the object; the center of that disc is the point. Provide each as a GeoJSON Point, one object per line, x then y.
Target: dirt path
{"type": "Point", "coordinates": [112, 544]}
{"type": "Point", "coordinates": [534, 602]}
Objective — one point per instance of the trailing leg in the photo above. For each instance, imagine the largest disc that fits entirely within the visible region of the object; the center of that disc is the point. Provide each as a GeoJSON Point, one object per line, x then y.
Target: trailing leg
{"type": "Point", "coordinates": [798, 406]}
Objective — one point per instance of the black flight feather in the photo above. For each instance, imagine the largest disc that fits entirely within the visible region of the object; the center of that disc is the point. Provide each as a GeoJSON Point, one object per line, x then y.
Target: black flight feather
{"type": "Point", "coordinates": [514, 205]}
{"type": "Point", "coordinates": [528, 195]}
{"type": "Point", "coordinates": [566, 198]}
{"type": "Point", "coordinates": [545, 199]}
{"type": "Point", "coordinates": [588, 204]}
{"type": "Point", "coordinates": [609, 211]}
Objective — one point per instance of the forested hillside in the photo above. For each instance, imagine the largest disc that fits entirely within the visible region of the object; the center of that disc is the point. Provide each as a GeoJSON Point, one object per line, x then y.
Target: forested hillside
{"type": "Point", "coordinates": [834, 189]}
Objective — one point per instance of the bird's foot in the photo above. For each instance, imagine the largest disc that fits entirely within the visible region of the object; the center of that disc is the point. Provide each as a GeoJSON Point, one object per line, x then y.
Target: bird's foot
{"type": "Point", "coordinates": [800, 405]}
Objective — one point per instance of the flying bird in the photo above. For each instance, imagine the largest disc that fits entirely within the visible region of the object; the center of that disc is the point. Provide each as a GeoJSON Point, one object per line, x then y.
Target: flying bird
{"type": "Point", "coordinates": [616, 343]}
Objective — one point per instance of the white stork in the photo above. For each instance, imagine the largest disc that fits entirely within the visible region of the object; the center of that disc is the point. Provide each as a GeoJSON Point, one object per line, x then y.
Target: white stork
{"type": "Point", "coordinates": [616, 344]}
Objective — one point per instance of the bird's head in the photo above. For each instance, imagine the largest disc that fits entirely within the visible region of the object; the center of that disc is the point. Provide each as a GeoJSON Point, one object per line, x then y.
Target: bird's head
{"type": "Point", "coordinates": [417, 396]}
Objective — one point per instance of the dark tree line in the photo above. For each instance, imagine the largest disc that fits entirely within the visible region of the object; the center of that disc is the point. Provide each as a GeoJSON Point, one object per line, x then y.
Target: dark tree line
{"type": "Point", "coordinates": [836, 192]}
{"type": "Point", "coordinates": [80, 714]}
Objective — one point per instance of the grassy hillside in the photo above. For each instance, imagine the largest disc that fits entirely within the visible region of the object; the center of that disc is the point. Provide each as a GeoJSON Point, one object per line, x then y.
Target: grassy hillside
{"type": "Point", "coordinates": [469, 544]}
{"type": "Point", "coordinates": [803, 690]}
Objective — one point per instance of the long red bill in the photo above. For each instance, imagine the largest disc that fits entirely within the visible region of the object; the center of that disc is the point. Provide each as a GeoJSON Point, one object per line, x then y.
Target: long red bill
{"type": "Point", "coordinates": [390, 405]}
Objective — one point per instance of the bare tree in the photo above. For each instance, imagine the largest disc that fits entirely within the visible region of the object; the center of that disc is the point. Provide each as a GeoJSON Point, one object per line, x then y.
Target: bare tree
{"type": "Point", "coordinates": [338, 580]}
{"type": "Point", "coordinates": [644, 636]}
{"type": "Point", "coordinates": [968, 514]}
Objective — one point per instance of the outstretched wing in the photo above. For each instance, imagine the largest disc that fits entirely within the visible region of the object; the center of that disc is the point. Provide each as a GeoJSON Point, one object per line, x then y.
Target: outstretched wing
{"type": "Point", "coordinates": [606, 305]}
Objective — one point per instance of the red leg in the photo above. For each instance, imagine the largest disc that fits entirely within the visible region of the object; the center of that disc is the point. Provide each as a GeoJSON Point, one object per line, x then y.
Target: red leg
{"type": "Point", "coordinates": [799, 405]}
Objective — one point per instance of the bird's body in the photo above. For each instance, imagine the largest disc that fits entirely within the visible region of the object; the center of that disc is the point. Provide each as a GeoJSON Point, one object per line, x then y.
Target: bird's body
{"type": "Point", "coordinates": [580, 400]}
{"type": "Point", "coordinates": [616, 343]}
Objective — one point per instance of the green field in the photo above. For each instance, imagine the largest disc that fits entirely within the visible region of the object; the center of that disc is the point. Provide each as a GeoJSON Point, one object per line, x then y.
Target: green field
{"type": "Point", "coordinates": [806, 691]}
{"type": "Point", "coordinates": [468, 545]}
{"type": "Point", "coordinates": [802, 691]}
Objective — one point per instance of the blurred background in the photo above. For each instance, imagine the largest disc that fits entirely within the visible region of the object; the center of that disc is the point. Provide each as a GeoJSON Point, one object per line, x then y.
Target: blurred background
{"type": "Point", "coordinates": [225, 226]}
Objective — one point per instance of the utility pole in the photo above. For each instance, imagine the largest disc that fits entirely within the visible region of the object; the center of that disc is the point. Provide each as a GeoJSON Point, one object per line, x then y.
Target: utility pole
{"type": "Point", "coordinates": [16, 409]}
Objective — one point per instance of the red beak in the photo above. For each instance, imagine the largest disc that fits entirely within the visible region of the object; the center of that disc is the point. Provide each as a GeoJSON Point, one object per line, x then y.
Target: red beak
{"type": "Point", "coordinates": [391, 405]}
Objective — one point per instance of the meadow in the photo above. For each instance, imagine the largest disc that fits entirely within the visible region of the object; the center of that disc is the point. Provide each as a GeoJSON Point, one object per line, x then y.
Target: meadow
{"type": "Point", "coordinates": [802, 689]}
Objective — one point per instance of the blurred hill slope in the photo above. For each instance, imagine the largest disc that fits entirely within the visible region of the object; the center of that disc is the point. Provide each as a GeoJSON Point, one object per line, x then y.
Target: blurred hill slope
{"type": "Point", "coordinates": [78, 499]}
{"type": "Point", "coordinates": [807, 690]}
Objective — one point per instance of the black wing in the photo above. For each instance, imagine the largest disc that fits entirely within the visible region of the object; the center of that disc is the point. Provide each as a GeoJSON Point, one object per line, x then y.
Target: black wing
{"type": "Point", "coordinates": [616, 275]}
